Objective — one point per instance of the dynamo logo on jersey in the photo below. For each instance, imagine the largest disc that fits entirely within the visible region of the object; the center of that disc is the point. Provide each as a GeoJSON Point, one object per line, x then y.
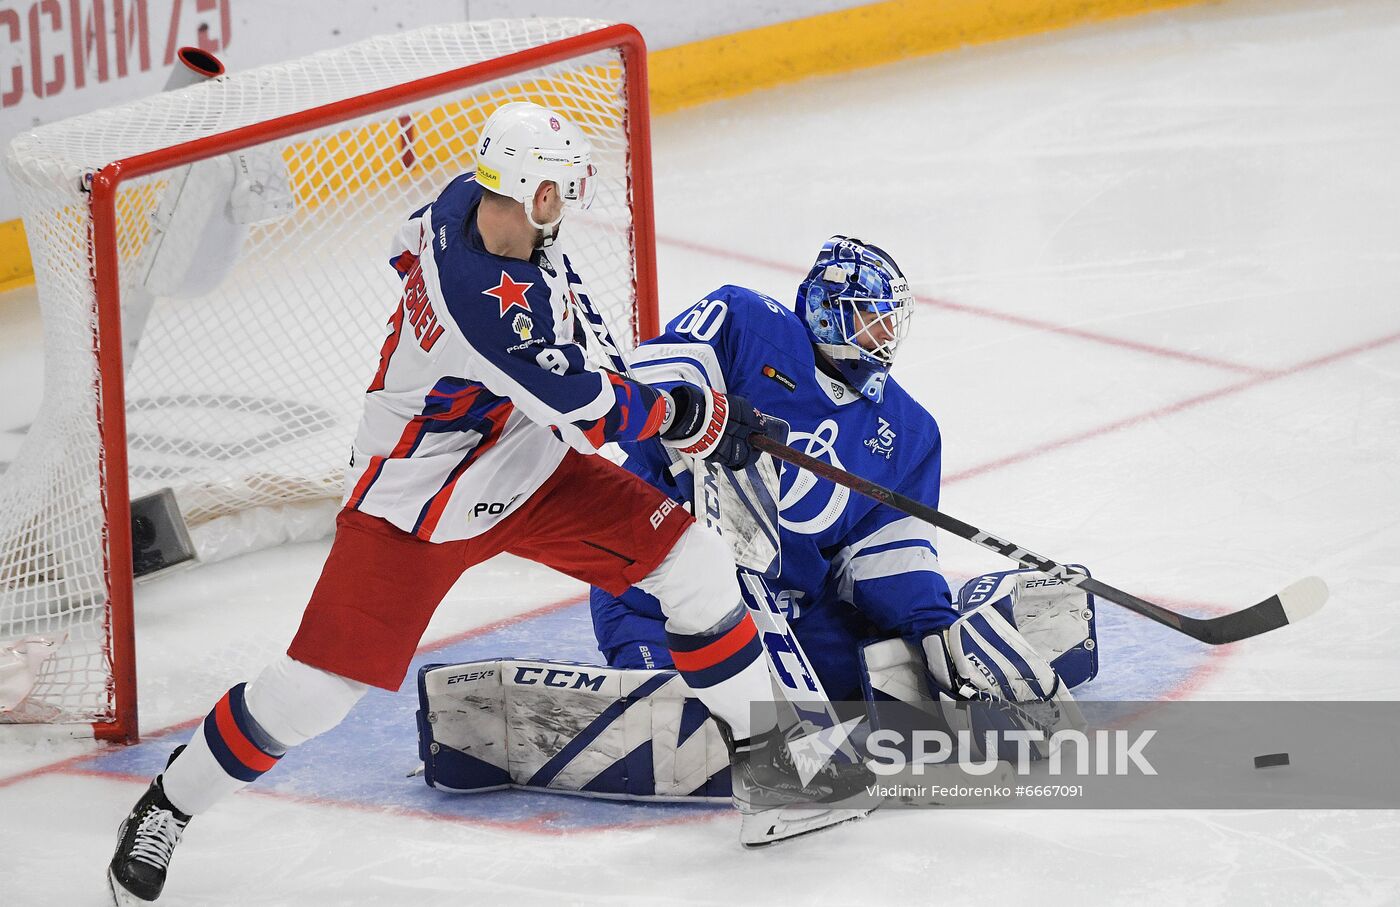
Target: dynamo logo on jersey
{"type": "Point", "coordinates": [793, 502]}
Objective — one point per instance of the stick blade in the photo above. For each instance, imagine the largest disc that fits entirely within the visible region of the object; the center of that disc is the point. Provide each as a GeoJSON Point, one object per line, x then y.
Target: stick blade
{"type": "Point", "coordinates": [1292, 604]}
{"type": "Point", "coordinates": [1303, 598]}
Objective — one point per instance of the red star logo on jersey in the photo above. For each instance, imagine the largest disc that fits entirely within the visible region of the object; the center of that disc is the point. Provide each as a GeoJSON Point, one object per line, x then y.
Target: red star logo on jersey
{"type": "Point", "coordinates": [509, 293]}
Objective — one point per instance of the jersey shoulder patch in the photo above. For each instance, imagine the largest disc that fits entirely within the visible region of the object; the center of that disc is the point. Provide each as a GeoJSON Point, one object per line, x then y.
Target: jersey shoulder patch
{"type": "Point", "coordinates": [900, 408]}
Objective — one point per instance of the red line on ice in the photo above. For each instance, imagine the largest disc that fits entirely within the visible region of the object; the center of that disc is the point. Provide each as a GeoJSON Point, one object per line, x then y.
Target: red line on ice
{"type": "Point", "coordinates": [1006, 317]}
{"type": "Point", "coordinates": [1169, 409]}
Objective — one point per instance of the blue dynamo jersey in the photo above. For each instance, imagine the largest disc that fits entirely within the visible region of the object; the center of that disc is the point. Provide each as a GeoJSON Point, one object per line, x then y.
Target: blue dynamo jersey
{"type": "Point", "coordinates": [851, 568]}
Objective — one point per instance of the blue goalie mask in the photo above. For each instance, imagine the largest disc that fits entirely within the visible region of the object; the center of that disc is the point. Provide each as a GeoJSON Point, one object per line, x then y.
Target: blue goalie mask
{"type": "Point", "coordinates": [856, 303]}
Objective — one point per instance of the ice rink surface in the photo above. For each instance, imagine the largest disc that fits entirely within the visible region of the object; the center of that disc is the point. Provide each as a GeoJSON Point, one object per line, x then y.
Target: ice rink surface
{"type": "Point", "coordinates": [1159, 271]}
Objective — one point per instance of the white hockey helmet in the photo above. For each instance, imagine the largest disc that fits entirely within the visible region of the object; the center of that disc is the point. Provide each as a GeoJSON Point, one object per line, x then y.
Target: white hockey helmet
{"type": "Point", "coordinates": [523, 145]}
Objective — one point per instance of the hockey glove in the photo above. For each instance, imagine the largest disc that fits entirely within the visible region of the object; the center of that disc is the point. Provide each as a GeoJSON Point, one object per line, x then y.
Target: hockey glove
{"type": "Point", "coordinates": [982, 656]}
{"type": "Point", "coordinates": [709, 425]}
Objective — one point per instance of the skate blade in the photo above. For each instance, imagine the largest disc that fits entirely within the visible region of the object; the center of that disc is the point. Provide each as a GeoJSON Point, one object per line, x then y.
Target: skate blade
{"type": "Point", "coordinates": [785, 823]}
{"type": "Point", "coordinates": [120, 896]}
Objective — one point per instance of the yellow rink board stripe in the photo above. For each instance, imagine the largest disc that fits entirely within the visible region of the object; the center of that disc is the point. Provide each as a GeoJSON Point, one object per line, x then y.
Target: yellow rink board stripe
{"type": "Point", "coordinates": [759, 58]}
{"type": "Point", "coordinates": [15, 269]}
{"type": "Point", "coordinates": [863, 36]}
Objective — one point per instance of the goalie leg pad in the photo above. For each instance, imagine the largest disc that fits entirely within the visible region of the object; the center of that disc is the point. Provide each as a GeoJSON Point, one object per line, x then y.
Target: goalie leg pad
{"type": "Point", "coordinates": [568, 728]}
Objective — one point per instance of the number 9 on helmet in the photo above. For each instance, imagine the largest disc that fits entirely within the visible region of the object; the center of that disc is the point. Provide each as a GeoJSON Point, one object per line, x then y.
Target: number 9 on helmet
{"type": "Point", "coordinates": [523, 145]}
{"type": "Point", "coordinates": [856, 304]}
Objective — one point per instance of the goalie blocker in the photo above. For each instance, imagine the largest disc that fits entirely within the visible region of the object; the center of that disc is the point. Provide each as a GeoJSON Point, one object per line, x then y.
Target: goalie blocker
{"type": "Point", "coordinates": [633, 734]}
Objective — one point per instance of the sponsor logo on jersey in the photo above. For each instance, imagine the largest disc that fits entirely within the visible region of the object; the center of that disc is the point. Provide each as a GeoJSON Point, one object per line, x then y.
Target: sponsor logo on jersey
{"type": "Point", "coordinates": [509, 293]}
{"type": "Point", "coordinates": [442, 237]}
{"type": "Point", "coordinates": [517, 347]}
{"type": "Point", "coordinates": [491, 508]}
{"type": "Point", "coordinates": [883, 442]}
{"type": "Point", "coordinates": [523, 325]}
{"type": "Point", "coordinates": [784, 380]}
{"type": "Point", "coordinates": [559, 678]}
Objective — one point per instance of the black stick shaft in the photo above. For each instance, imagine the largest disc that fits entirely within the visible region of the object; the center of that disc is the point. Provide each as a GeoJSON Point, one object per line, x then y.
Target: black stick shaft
{"type": "Point", "coordinates": [1024, 557]}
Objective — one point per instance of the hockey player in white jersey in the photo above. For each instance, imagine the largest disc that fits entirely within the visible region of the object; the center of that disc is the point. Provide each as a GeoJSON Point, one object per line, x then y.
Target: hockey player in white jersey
{"type": "Point", "coordinates": [478, 436]}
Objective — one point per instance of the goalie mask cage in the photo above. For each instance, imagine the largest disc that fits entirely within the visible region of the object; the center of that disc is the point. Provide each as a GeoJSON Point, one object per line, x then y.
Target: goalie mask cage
{"type": "Point", "coordinates": [243, 396]}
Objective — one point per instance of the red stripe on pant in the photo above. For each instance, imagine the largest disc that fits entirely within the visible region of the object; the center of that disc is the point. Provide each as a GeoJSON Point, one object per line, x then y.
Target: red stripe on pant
{"type": "Point", "coordinates": [243, 749]}
{"type": "Point", "coordinates": [713, 653]}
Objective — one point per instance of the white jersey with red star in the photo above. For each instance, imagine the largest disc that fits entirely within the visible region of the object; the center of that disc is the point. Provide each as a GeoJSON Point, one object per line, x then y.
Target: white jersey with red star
{"type": "Point", "coordinates": [480, 388]}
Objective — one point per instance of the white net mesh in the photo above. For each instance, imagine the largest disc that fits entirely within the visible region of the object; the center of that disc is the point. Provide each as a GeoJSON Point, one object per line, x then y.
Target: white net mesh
{"type": "Point", "coordinates": [247, 384]}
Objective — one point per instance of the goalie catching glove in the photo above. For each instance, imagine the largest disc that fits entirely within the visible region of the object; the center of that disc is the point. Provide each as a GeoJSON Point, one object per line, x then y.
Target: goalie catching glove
{"type": "Point", "coordinates": [709, 425]}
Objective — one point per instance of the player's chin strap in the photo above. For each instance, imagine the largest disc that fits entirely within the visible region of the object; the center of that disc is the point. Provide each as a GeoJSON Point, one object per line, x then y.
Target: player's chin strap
{"type": "Point", "coordinates": [548, 232]}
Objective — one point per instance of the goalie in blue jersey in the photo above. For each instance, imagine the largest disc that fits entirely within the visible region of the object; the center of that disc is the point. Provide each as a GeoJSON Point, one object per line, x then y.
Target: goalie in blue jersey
{"type": "Point", "coordinates": [852, 570]}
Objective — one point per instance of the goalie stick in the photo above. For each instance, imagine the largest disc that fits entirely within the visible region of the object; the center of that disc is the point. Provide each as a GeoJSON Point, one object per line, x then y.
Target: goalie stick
{"type": "Point", "coordinates": [1290, 605]}
{"type": "Point", "coordinates": [787, 662]}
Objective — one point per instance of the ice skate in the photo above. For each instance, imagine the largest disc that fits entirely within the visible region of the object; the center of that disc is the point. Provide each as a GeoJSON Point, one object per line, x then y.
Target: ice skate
{"type": "Point", "coordinates": [776, 805]}
{"type": "Point", "coordinates": [146, 840]}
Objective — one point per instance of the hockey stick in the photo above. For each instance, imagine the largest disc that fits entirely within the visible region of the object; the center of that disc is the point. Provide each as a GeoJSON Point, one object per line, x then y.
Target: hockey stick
{"type": "Point", "coordinates": [787, 662]}
{"type": "Point", "coordinates": [1291, 605]}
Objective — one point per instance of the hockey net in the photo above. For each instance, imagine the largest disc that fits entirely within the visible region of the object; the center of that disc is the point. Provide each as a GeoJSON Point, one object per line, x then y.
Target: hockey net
{"type": "Point", "coordinates": [250, 343]}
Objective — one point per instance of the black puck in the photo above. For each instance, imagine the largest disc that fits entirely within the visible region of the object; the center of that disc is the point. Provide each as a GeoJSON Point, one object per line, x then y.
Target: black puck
{"type": "Point", "coordinates": [1269, 760]}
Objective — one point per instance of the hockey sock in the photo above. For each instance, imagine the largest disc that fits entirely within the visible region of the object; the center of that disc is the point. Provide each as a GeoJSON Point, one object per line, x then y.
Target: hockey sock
{"type": "Point", "coordinates": [229, 750]}
{"type": "Point", "coordinates": [249, 730]}
{"type": "Point", "coordinates": [727, 669]}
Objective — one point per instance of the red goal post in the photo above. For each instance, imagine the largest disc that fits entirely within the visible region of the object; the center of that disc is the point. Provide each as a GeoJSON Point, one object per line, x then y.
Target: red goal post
{"type": "Point", "coordinates": [598, 74]}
